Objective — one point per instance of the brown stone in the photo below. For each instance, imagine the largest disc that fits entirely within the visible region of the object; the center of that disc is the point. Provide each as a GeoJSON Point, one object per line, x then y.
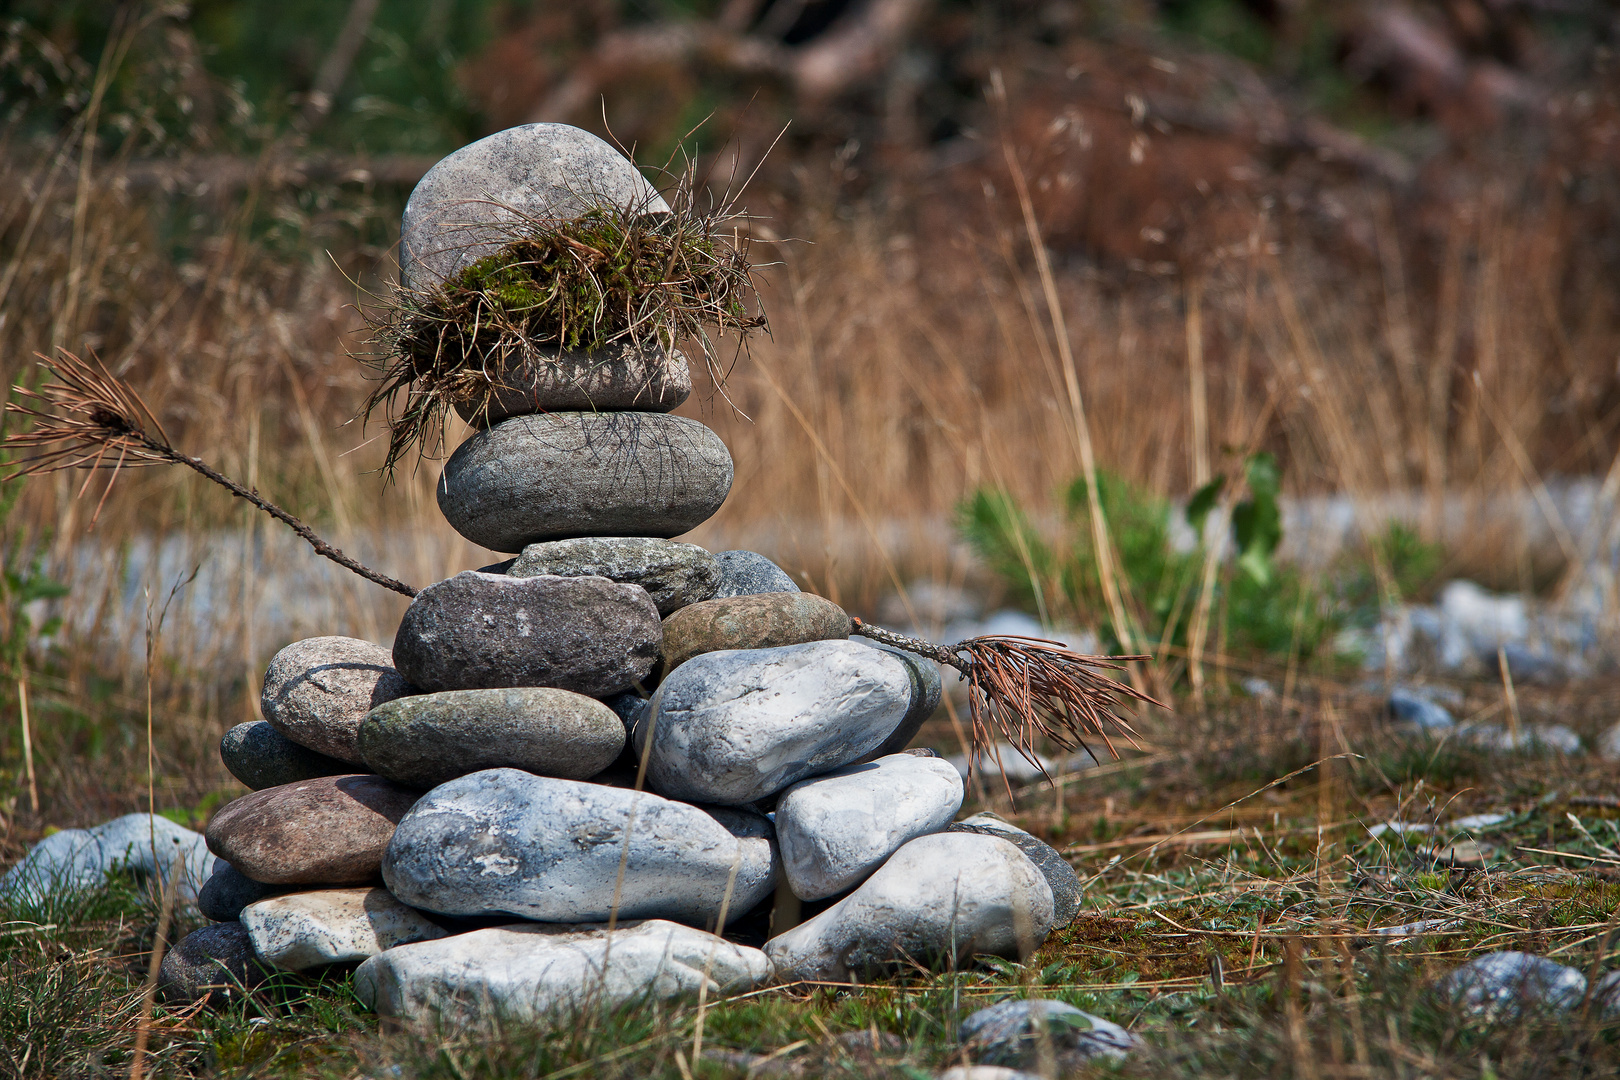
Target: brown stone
{"type": "Point", "coordinates": [328, 831]}
{"type": "Point", "coordinates": [763, 621]}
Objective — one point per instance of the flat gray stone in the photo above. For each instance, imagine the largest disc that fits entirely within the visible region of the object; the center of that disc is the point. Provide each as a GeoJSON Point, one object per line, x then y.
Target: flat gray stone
{"type": "Point", "coordinates": [733, 727]}
{"type": "Point", "coordinates": [926, 690]}
{"type": "Point", "coordinates": [1501, 986]}
{"type": "Point", "coordinates": [464, 208]}
{"type": "Point", "coordinates": [306, 930]}
{"type": "Point", "coordinates": [1048, 860]}
{"type": "Point", "coordinates": [552, 476]}
{"type": "Point", "coordinates": [673, 574]}
{"type": "Point", "coordinates": [621, 375]}
{"type": "Point", "coordinates": [478, 631]}
{"type": "Point", "coordinates": [262, 757]}
{"type": "Point", "coordinates": [1012, 1033]}
{"type": "Point", "coordinates": [317, 691]}
{"type": "Point", "coordinates": [748, 573]}
{"type": "Point", "coordinates": [216, 960]}
{"type": "Point", "coordinates": [425, 740]}
{"type": "Point", "coordinates": [938, 901]}
{"type": "Point", "coordinates": [227, 891]}
{"type": "Point", "coordinates": [328, 831]}
{"type": "Point", "coordinates": [145, 845]}
{"type": "Point", "coordinates": [534, 974]}
{"type": "Point", "coordinates": [505, 841]}
{"type": "Point", "coordinates": [836, 829]}
{"type": "Point", "coordinates": [986, 1072]}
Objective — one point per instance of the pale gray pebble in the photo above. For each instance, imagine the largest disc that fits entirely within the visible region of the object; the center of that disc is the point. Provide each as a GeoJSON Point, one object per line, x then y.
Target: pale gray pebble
{"type": "Point", "coordinates": [1011, 1033]}
{"type": "Point", "coordinates": [425, 740]}
{"type": "Point", "coordinates": [926, 690]}
{"type": "Point", "coordinates": [1414, 707]}
{"type": "Point", "coordinates": [227, 891]}
{"type": "Point", "coordinates": [938, 901]}
{"type": "Point", "coordinates": [216, 960]}
{"type": "Point", "coordinates": [836, 829]}
{"type": "Point", "coordinates": [748, 573]}
{"type": "Point", "coordinates": [1608, 744]}
{"type": "Point", "coordinates": [552, 476]}
{"type": "Point", "coordinates": [986, 1072]}
{"type": "Point", "coordinates": [1065, 883]}
{"type": "Point", "coordinates": [146, 845]}
{"type": "Point", "coordinates": [317, 691]}
{"type": "Point", "coordinates": [463, 209]}
{"type": "Point", "coordinates": [478, 631]}
{"type": "Point", "coordinates": [1503, 985]}
{"type": "Point", "coordinates": [674, 574]}
{"type": "Point", "coordinates": [1606, 995]}
{"type": "Point", "coordinates": [736, 726]}
{"type": "Point", "coordinates": [1530, 738]}
{"type": "Point", "coordinates": [304, 930]}
{"type": "Point", "coordinates": [537, 974]}
{"type": "Point", "coordinates": [262, 757]}
{"type": "Point", "coordinates": [505, 841]}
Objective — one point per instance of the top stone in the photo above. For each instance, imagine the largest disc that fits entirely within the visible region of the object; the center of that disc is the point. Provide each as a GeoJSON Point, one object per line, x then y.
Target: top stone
{"type": "Point", "coordinates": [462, 209]}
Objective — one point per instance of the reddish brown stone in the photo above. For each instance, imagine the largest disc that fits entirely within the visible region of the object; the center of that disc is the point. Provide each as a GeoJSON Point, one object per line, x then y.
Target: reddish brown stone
{"type": "Point", "coordinates": [328, 831]}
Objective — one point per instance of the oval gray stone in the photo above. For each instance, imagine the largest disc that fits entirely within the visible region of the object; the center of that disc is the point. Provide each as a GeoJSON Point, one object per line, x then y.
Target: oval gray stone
{"type": "Point", "coordinates": [147, 846]}
{"type": "Point", "coordinates": [505, 841]}
{"type": "Point", "coordinates": [425, 740]}
{"type": "Point", "coordinates": [732, 727]}
{"type": "Point", "coordinates": [477, 631]}
{"type": "Point", "coordinates": [1016, 1033]}
{"type": "Point", "coordinates": [938, 901]}
{"type": "Point", "coordinates": [552, 476]}
{"type": "Point", "coordinates": [1503, 986]}
{"type": "Point", "coordinates": [262, 757]}
{"type": "Point", "coordinates": [317, 691]}
{"type": "Point", "coordinates": [215, 960]}
{"type": "Point", "coordinates": [622, 375]}
{"type": "Point", "coordinates": [765, 621]}
{"type": "Point", "coordinates": [464, 208]}
{"type": "Point", "coordinates": [306, 930]}
{"type": "Point", "coordinates": [836, 829]}
{"type": "Point", "coordinates": [748, 573]}
{"type": "Point", "coordinates": [1048, 860]}
{"type": "Point", "coordinates": [926, 690]}
{"type": "Point", "coordinates": [227, 891]}
{"type": "Point", "coordinates": [674, 574]}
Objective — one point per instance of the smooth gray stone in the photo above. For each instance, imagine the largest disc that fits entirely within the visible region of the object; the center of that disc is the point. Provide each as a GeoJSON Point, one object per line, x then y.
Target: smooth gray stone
{"type": "Point", "coordinates": [146, 845]}
{"type": "Point", "coordinates": [227, 891]}
{"type": "Point", "coordinates": [630, 707]}
{"type": "Point", "coordinates": [1048, 860]}
{"type": "Point", "coordinates": [552, 476]}
{"type": "Point", "coordinates": [216, 960]}
{"type": "Point", "coordinates": [748, 573]}
{"type": "Point", "coordinates": [1606, 996]}
{"type": "Point", "coordinates": [425, 740]}
{"type": "Point", "coordinates": [926, 690]}
{"type": "Point", "coordinates": [317, 691]}
{"type": "Point", "coordinates": [620, 375]}
{"type": "Point", "coordinates": [673, 574]}
{"type": "Point", "coordinates": [478, 631]}
{"type": "Point", "coordinates": [986, 1072]}
{"type": "Point", "coordinates": [734, 726]}
{"type": "Point", "coordinates": [836, 829]}
{"type": "Point", "coordinates": [1011, 1033]}
{"type": "Point", "coordinates": [306, 930]}
{"type": "Point", "coordinates": [262, 757]}
{"type": "Point", "coordinates": [465, 208]}
{"type": "Point", "coordinates": [1502, 986]}
{"type": "Point", "coordinates": [505, 841]}
{"type": "Point", "coordinates": [533, 974]}
{"type": "Point", "coordinates": [1412, 707]}
{"type": "Point", "coordinates": [938, 901]}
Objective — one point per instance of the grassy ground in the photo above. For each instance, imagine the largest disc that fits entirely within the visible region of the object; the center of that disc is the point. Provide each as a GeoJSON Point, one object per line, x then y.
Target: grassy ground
{"type": "Point", "coordinates": [1236, 842]}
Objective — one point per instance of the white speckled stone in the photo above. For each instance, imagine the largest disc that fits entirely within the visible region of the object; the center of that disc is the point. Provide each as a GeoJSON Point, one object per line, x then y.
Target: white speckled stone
{"type": "Point", "coordinates": [317, 691]}
{"type": "Point", "coordinates": [1503, 985]}
{"type": "Point", "coordinates": [300, 931]}
{"type": "Point", "coordinates": [938, 900]}
{"type": "Point", "coordinates": [538, 974]}
{"type": "Point", "coordinates": [734, 726]}
{"type": "Point", "coordinates": [836, 829]}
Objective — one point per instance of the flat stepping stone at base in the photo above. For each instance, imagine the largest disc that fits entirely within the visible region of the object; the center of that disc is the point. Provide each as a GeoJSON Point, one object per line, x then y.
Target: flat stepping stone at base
{"type": "Point", "coordinates": [545, 975]}
{"type": "Point", "coordinates": [425, 740]}
{"type": "Point", "coordinates": [327, 831]}
{"type": "Point", "coordinates": [505, 841]}
{"type": "Point", "coordinates": [766, 621]}
{"type": "Point", "coordinates": [836, 829]}
{"type": "Point", "coordinates": [937, 901]}
{"type": "Point", "coordinates": [1065, 883]}
{"type": "Point", "coordinates": [306, 930]}
{"type": "Point", "coordinates": [673, 574]}
{"type": "Point", "coordinates": [736, 726]}
{"type": "Point", "coordinates": [478, 631]}
{"type": "Point", "coordinates": [262, 757]}
{"type": "Point", "coordinates": [317, 691]}
{"type": "Point", "coordinates": [748, 573]}
{"type": "Point", "coordinates": [557, 475]}
{"type": "Point", "coordinates": [464, 208]}
{"type": "Point", "coordinates": [227, 891]}
{"type": "Point", "coordinates": [644, 377]}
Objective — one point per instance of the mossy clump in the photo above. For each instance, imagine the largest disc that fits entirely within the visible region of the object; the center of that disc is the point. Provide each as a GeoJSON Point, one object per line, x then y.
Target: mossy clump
{"type": "Point", "coordinates": [607, 278]}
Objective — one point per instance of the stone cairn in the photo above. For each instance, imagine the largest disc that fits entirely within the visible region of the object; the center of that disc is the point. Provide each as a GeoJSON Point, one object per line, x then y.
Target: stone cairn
{"type": "Point", "coordinates": [493, 818]}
